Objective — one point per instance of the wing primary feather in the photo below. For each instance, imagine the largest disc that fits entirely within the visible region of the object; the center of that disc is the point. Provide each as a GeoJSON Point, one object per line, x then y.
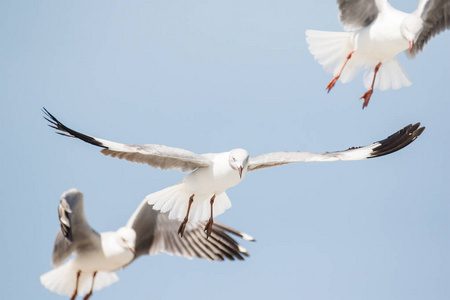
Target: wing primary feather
{"type": "Point", "coordinates": [192, 245]}
{"type": "Point", "coordinates": [233, 231]}
{"type": "Point", "coordinates": [203, 252]}
{"type": "Point", "coordinates": [218, 255]}
{"type": "Point", "coordinates": [66, 131]}
{"type": "Point", "coordinates": [226, 249]}
{"type": "Point", "coordinates": [200, 237]}
{"type": "Point", "coordinates": [398, 140]}
{"type": "Point", "coordinates": [227, 240]}
{"type": "Point", "coordinates": [221, 249]}
{"type": "Point", "coordinates": [64, 219]}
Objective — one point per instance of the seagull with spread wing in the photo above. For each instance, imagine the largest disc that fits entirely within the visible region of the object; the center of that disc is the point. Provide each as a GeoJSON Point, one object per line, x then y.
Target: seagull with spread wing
{"type": "Point", "coordinates": [379, 33]}
{"type": "Point", "coordinates": [201, 196]}
{"type": "Point", "coordinates": [98, 255]}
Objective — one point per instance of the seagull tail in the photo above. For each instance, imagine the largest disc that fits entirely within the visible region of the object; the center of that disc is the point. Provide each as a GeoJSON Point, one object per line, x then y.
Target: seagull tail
{"type": "Point", "coordinates": [62, 280]}
{"type": "Point", "coordinates": [331, 49]}
{"type": "Point", "coordinates": [390, 76]}
{"type": "Point", "coordinates": [175, 199]}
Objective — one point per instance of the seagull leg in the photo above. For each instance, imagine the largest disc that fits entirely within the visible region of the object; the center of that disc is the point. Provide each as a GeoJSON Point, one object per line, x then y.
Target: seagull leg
{"type": "Point", "coordinates": [368, 94]}
{"type": "Point", "coordinates": [92, 287]}
{"type": "Point", "coordinates": [183, 224]}
{"type": "Point", "coordinates": [208, 227]}
{"type": "Point", "coordinates": [335, 79]}
{"type": "Point", "coordinates": [76, 286]}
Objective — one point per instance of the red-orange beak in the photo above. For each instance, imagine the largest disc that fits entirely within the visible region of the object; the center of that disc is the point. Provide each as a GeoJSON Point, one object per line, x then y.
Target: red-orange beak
{"type": "Point", "coordinates": [240, 172]}
{"type": "Point", "coordinates": [411, 45]}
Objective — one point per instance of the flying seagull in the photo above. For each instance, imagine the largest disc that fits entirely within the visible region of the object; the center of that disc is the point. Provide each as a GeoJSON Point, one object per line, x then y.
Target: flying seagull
{"type": "Point", "coordinates": [378, 33]}
{"type": "Point", "coordinates": [201, 196]}
{"type": "Point", "coordinates": [98, 255]}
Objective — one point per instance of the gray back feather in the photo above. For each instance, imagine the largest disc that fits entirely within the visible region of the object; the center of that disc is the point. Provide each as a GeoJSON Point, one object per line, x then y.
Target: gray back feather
{"type": "Point", "coordinates": [355, 14]}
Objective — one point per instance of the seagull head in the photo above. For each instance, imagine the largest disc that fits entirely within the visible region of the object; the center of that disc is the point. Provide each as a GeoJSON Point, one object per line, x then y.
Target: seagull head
{"type": "Point", "coordinates": [127, 238]}
{"type": "Point", "coordinates": [238, 161]}
{"type": "Point", "coordinates": [411, 26]}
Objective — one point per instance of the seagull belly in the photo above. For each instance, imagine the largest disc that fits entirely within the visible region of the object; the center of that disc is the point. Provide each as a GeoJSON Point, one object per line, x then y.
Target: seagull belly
{"type": "Point", "coordinates": [108, 256]}
{"type": "Point", "coordinates": [383, 40]}
{"type": "Point", "coordinates": [92, 261]}
{"type": "Point", "coordinates": [213, 180]}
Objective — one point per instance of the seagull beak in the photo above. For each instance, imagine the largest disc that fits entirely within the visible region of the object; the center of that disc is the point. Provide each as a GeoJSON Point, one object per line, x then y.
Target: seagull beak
{"type": "Point", "coordinates": [411, 45]}
{"type": "Point", "coordinates": [132, 249]}
{"type": "Point", "coordinates": [240, 171]}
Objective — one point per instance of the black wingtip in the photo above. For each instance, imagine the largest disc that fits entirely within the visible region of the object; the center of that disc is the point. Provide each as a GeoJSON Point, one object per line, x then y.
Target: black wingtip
{"type": "Point", "coordinates": [398, 140]}
{"type": "Point", "coordinates": [66, 131]}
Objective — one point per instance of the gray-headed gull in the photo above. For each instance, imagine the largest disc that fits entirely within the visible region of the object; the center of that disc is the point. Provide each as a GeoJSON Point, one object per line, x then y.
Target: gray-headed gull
{"type": "Point", "coordinates": [379, 33]}
{"type": "Point", "coordinates": [214, 173]}
{"type": "Point", "coordinates": [98, 255]}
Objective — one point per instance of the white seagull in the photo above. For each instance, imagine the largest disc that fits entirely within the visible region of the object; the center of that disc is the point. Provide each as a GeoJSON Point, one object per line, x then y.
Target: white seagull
{"type": "Point", "coordinates": [214, 173]}
{"type": "Point", "coordinates": [98, 255]}
{"type": "Point", "coordinates": [379, 33]}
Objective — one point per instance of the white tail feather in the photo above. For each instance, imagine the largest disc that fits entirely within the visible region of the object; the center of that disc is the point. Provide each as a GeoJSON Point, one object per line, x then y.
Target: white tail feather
{"type": "Point", "coordinates": [331, 49]}
{"type": "Point", "coordinates": [62, 280]}
{"type": "Point", "coordinates": [391, 75]}
{"type": "Point", "coordinates": [176, 200]}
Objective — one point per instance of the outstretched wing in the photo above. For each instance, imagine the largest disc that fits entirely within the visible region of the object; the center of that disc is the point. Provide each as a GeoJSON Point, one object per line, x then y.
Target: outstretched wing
{"type": "Point", "coordinates": [355, 14]}
{"type": "Point", "coordinates": [436, 18]}
{"type": "Point", "coordinates": [393, 143]}
{"type": "Point", "coordinates": [157, 156]}
{"type": "Point", "coordinates": [156, 233]}
{"type": "Point", "coordinates": [74, 231]}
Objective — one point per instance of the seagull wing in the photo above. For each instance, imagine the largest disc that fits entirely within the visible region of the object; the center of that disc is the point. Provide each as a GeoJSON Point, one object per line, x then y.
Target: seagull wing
{"type": "Point", "coordinates": [156, 233]}
{"type": "Point", "coordinates": [157, 156]}
{"type": "Point", "coordinates": [393, 143]}
{"type": "Point", "coordinates": [75, 232]}
{"type": "Point", "coordinates": [355, 14]}
{"type": "Point", "coordinates": [436, 18]}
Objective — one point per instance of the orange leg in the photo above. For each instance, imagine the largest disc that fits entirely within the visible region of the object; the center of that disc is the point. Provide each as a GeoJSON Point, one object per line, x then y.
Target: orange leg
{"type": "Point", "coordinates": [368, 94]}
{"type": "Point", "coordinates": [333, 81]}
{"type": "Point", "coordinates": [92, 287]}
{"type": "Point", "coordinates": [76, 286]}
{"type": "Point", "coordinates": [208, 227]}
{"type": "Point", "coordinates": [183, 224]}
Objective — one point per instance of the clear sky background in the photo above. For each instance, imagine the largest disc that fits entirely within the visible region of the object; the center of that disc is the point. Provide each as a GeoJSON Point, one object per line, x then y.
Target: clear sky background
{"type": "Point", "coordinates": [210, 76]}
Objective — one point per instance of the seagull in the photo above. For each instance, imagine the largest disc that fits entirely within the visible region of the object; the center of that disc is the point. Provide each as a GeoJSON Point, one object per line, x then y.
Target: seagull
{"type": "Point", "coordinates": [213, 173]}
{"type": "Point", "coordinates": [378, 33]}
{"type": "Point", "coordinates": [98, 255]}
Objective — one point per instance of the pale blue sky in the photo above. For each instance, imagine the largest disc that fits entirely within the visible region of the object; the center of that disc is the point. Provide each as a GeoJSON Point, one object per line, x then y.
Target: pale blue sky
{"type": "Point", "coordinates": [210, 76]}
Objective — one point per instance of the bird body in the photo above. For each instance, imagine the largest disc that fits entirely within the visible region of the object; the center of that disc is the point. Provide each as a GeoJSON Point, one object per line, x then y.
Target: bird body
{"type": "Point", "coordinates": [378, 33]}
{"type": "Point", "coordinates": [216, 179]}
{"type": "Point", "coordinates": [379, 42]}
{"type": "Point", "coordinates": [202, 193]}
{"type": "Point", "coordinates": [96, 256]}
{"type": "Point", "coordinates": [204, 183]}
{"type": "Point", "coordinates": [112, 254]}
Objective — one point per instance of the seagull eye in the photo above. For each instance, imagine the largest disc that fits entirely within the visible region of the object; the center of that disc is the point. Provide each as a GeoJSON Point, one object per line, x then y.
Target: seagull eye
{"type": "Point", "coordinates": [234, 159]}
